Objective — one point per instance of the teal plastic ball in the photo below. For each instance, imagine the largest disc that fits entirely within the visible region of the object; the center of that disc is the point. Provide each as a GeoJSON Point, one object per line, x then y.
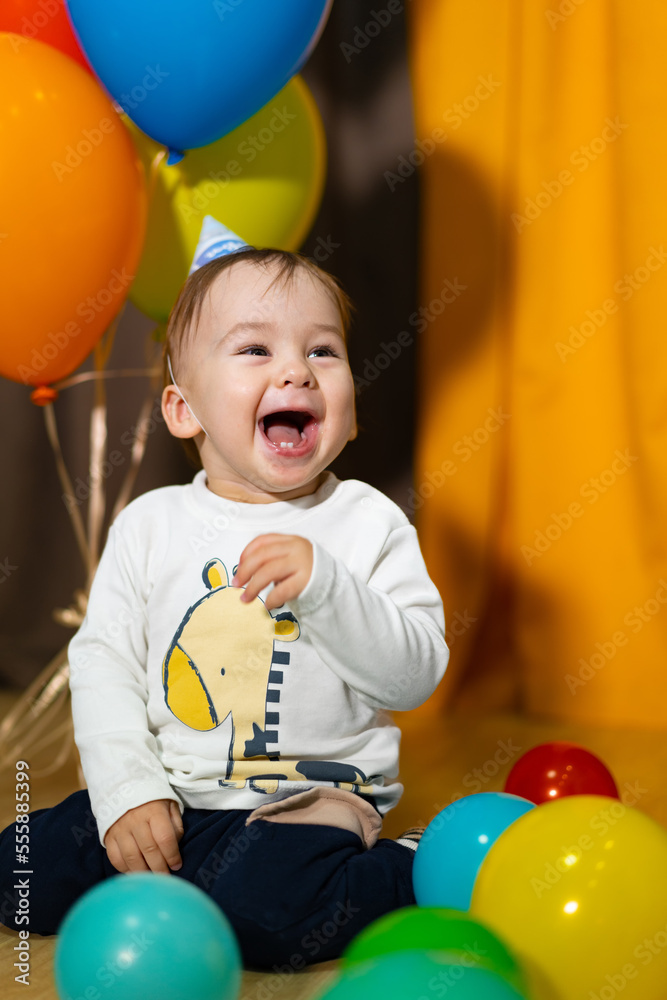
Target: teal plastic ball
{"type": "Point", "coordinates": [145, 935]}
{"type": "Point", "coordinates": [455, 843]}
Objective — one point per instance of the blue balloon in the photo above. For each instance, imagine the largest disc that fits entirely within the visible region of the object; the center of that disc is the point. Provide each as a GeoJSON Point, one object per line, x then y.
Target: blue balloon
{"type": "Point", "coordinates": [146, 935]}
{"type": "Point", "coordinates": [455, 843]}
{"type": "Point", "coordinates": [187, 72]}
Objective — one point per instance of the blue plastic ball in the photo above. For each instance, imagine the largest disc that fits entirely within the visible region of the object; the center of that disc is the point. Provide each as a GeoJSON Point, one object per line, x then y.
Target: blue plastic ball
{"type": "Point", "coordinates": [145, 935]}
{"type": "Point", "coordinates": [455, 843]}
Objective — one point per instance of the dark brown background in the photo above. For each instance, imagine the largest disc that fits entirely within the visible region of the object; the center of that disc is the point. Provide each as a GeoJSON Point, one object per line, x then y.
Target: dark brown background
{"type": "Point", "coordinates": [365, 102]}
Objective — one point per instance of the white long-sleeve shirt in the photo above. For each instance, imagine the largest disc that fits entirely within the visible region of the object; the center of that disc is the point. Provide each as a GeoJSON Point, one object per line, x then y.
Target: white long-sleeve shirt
{"type": "Point", "coordinates": [181, 691]}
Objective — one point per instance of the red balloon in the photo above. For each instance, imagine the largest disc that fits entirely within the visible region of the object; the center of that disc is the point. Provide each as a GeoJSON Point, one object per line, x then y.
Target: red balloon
{"type": "Point", "coordinates": [45, 20]}
{"type": "Point", "coordinates": [554, 770]}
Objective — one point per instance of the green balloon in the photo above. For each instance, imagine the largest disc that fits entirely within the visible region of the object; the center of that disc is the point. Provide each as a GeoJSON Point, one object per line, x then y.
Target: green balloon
{"type": "Point", "coordinates": [413, 975]}
{"type": "Point", "coordinates": [264, 180]}
{"type": "Point", "coordinates": [459, 937]}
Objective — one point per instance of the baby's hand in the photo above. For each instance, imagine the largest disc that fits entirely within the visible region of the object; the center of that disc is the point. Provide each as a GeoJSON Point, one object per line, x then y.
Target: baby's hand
{"type": "Point", "coordinates": [284, 560]}
{"type": "Point", "coordinates": [146, 838]}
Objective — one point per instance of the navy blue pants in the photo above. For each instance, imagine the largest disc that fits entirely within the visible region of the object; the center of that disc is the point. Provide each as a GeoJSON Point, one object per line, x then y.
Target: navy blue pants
{"type": "Point", "coordinates": [294, 893]}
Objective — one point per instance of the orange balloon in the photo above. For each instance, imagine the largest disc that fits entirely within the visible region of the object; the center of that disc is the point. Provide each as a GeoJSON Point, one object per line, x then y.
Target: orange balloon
{"type": "Point", "coordinates": [45, 20]}
{"type": "Point", "coordinates": [72, 212]}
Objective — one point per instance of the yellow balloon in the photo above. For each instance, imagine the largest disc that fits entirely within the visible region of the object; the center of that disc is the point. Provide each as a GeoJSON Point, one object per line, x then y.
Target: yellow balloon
{"type": "Point", "coordinates": [578, 887]}
{"type": "Point", "coordinates": [264, 181]}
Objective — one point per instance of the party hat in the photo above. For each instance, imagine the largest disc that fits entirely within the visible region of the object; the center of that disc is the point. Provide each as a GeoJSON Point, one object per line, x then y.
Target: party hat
{"type": "Point", "coordinates": [215, 240]}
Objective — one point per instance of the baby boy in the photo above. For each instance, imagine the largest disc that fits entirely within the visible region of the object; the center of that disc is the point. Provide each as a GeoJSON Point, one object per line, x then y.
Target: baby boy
{"type": "Point", "coordinates": [246, 636]}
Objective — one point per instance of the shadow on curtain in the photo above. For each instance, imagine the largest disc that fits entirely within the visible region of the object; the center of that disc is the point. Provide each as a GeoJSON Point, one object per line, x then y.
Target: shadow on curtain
{"type": "Point", "coordinates": [541, 461]}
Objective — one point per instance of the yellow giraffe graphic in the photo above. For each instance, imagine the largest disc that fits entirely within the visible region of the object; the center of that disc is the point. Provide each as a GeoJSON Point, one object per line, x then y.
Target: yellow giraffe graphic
{"type": "Point", "coordinates": [220, 663]}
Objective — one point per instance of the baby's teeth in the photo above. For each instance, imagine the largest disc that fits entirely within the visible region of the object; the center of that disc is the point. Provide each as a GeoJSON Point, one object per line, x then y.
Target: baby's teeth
{"type": "Point", "coordinates": [287, 444]}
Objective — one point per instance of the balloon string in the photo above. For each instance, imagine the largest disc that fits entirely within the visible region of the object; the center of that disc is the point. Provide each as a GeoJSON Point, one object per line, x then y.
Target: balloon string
{"type": "Point", "coordinates": [49, 680]}
{"type": "Point", "coordinates": [138, 445]}
{"type": "Point", "coordinates": [98, 441]}
{"type": "Point", "coordinates": [155, 166]}
{"type": "Point", "coordinates": [34, 713]}
{"type": "Point", "coordinates": [106, 343]}
{"type": "Point", "coordinates": [66, 483]}
{"type": "Point", "coordinates": [29, 726]}
{"type": "Point", "coordinates": [119, 373]}
{"type": "Point", "coordinates": [64, 731]}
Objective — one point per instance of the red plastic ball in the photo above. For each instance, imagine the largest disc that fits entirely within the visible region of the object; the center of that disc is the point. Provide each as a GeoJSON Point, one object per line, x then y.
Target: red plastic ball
{"type": "Point", "coordinates": [554, 770]}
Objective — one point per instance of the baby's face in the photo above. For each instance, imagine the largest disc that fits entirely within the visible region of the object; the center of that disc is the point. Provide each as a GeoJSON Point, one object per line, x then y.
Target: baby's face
{"type": "Point", "coordinates": [268, 376]}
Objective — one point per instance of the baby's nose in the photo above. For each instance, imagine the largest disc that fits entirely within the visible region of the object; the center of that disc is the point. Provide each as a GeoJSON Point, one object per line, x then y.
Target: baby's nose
{"type": "Point", "coordinates": [296, 371]}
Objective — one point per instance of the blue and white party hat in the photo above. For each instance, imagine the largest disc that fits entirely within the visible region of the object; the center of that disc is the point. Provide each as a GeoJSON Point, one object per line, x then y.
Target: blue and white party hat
{"type": "Point", "coordinates": [215, 240]}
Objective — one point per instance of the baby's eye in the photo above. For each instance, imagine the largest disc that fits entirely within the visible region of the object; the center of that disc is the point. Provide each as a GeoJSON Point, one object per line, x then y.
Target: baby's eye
{"type": "Point", "coordinates": [261, 347]}
{"type": "Point", "coordinates": [326, 348]}
{"type": "Point", "coordinates": [257, 347]}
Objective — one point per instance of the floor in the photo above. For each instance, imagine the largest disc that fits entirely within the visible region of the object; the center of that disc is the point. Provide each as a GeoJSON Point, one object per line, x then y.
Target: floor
{"type": "Point", "coordinates": [441, 759]}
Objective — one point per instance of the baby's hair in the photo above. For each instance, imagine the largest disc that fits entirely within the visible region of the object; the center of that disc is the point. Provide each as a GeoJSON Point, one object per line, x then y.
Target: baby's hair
{"type": "Point", "coordinates": [186, 311]}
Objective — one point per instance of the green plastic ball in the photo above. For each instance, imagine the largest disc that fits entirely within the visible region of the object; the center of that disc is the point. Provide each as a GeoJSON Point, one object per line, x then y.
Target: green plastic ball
{"type": "Point", "coordinates": [454, 933]}
{"type": "Point", "coordinates": [412, 975]}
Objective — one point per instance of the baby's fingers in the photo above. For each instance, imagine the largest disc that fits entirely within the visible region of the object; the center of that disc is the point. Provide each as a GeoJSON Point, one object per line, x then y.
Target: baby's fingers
{"type": "Point", "coordinates": [176, 818]}
{"type": "Point", "coordinates": [281, 593]}
{"type": "Point", "coordinates": [161, 852]}
{"type": "Point", "coordinates": [125, 854]}
{"type": "Point", "coordinates": [273, 571]}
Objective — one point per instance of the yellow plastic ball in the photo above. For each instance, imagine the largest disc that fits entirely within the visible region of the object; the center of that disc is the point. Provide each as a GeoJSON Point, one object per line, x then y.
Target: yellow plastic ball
{"type": "Point", "coordinates": [578, 887]}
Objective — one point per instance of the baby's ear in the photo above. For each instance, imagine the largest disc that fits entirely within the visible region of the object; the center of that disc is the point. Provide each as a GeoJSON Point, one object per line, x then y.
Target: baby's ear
{"type": "Point", "coordinates": [179, 420]}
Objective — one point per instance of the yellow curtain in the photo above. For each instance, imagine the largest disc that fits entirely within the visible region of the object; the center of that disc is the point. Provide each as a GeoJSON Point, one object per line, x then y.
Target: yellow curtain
{"type": "Point", "coordinates": [541, 463]}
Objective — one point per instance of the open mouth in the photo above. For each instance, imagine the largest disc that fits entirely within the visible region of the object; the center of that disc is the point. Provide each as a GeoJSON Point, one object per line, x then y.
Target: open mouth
{"type": "Point", "coordinates": [291, 432]}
